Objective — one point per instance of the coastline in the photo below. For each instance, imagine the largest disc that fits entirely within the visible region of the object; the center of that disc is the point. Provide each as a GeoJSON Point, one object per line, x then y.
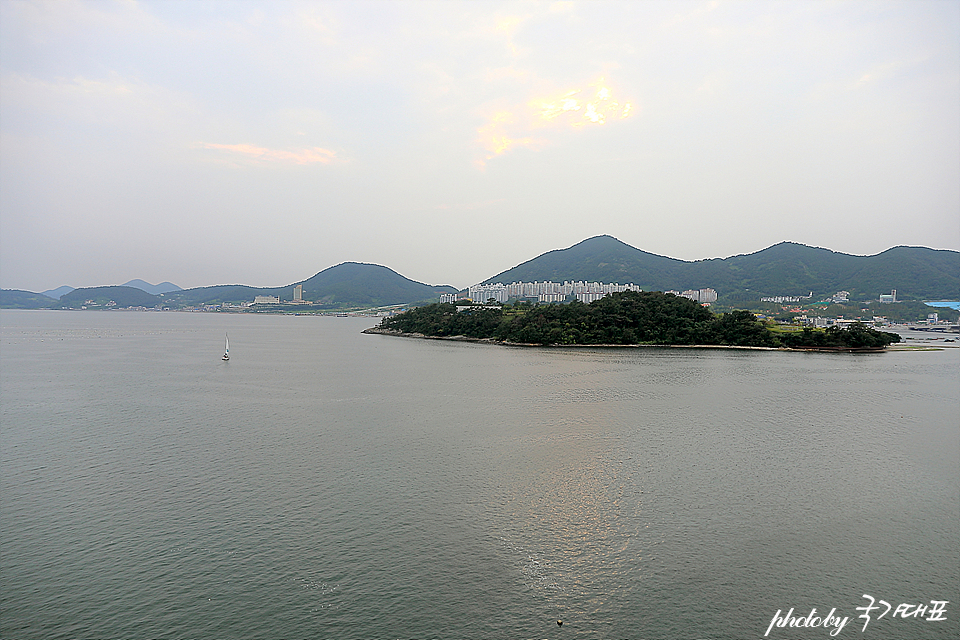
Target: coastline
{"type": "Point", "coordinates": [422, 336]}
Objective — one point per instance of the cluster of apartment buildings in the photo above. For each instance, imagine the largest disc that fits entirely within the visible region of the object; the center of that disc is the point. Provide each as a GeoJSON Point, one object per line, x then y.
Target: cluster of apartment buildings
{"type": "Point", "coordinates": [542, 291]}
{"type": "Point", "coordinates": [556, 292]}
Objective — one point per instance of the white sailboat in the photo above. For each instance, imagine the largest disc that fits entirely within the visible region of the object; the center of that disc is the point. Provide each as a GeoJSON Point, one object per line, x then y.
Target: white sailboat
{"type": "Point", "coordinates": [226, 349]}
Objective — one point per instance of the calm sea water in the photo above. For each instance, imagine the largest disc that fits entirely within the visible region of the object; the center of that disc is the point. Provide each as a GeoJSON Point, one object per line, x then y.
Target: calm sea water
{"type": "Point", "coordinates": [329, 484]}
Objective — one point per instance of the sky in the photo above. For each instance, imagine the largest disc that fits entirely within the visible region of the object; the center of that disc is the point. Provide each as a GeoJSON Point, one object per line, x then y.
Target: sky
{"type": "Point", "coordinates": [259, 143]}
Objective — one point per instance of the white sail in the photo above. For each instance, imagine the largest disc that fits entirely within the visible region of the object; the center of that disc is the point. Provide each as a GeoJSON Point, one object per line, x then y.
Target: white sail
{"type": "Point", "coordinates": [226, 348]}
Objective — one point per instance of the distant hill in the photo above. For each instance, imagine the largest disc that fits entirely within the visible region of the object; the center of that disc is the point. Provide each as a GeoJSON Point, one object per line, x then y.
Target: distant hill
{"type": "Point", "coordinates": [108, 297]}
{"type": "Point", "coordinates": [350, 284]}
{"type": "Point", "coordinates": [59, 291]}
{"type": "Point", "coordinates": [163, 287]}
{"type": "Point", "coordinates": [599, 259]}
{"type": "Point", "coordinates": [915, 272]}
{"type": "Point", "coordinates": [362, 284]}
{"type": "Point", "coordinates": [17, 299]}
{"type": "Point", "coordinates": [783, 269]}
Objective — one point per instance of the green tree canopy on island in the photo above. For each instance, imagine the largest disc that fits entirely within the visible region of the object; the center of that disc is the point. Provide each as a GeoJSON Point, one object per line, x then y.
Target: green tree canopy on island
{"type": "Point", "coordinates": [622, 319]}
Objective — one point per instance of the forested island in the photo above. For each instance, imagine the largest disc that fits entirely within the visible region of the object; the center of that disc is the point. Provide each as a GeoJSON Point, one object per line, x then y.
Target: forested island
{"type": "Point", "coordinates": [628, 318]}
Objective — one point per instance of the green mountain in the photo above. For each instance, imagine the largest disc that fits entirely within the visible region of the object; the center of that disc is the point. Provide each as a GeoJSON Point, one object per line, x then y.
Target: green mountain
{"type": "Point", "coordinates": [361, 284]}
{"type": "Point", "coordinates": [17, 299]}
{"type": "Point", "coordinates": [598, 259]}
{"type": "Point", "coordinates": [783, 269]}
{"type": "Point", "coordinates": [117, 297]}
{"type": "Point", "coordinates": [351, 284]}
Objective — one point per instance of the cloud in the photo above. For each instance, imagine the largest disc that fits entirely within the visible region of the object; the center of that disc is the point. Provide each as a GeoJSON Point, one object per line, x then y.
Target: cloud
{"type": "Point", "coordinates": [501, 133]}
{"type": "Point", "coordinates": [296, 156]}
{"type": "Point", "coordinates": [507, 27]}
{"type": "Point", "coordinates": [528, 124]}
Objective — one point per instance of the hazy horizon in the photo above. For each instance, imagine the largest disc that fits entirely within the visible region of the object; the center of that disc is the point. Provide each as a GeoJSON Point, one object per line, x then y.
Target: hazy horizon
{"type": "Point", "coordinates": [260, 142]}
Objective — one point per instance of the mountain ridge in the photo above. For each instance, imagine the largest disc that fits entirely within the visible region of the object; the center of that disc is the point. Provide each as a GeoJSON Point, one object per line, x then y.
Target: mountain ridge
{"type": "Point", "coordinates": [155, 289]}
{"type": "Point", "coordinates": [59, 291]}
{"type": "Point", "coordinates": [786, 268]}
{"type": "Point", "coordinates": [348, 284]}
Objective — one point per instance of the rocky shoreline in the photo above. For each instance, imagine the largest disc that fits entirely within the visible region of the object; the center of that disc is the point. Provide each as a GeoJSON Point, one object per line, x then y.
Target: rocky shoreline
{"type": "Point", "coordinates": [401, 334]}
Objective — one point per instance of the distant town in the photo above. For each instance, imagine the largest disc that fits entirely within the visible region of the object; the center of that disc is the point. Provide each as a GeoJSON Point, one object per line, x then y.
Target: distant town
{"type": "Point", "coordinates": [555, 292]}
{"type": "Point", "coordinates": [548, 292]}
{"type": "Point", "coordinates": [377, 291]}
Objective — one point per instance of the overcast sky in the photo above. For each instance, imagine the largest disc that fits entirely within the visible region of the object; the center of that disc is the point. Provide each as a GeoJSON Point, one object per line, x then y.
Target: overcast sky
{"type": "Point", "coordinates": [261, 142]}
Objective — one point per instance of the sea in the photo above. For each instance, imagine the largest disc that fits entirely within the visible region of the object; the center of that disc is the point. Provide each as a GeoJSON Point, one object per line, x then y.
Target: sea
{"type": "Point", "coordinates": [324, 483]}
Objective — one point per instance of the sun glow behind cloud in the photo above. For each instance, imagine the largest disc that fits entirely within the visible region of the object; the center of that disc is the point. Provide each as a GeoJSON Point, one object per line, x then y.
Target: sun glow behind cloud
{"type": "Point", "coordinates": [297, 156]}
{"type": "Point", "coordinates": [510, 128]}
